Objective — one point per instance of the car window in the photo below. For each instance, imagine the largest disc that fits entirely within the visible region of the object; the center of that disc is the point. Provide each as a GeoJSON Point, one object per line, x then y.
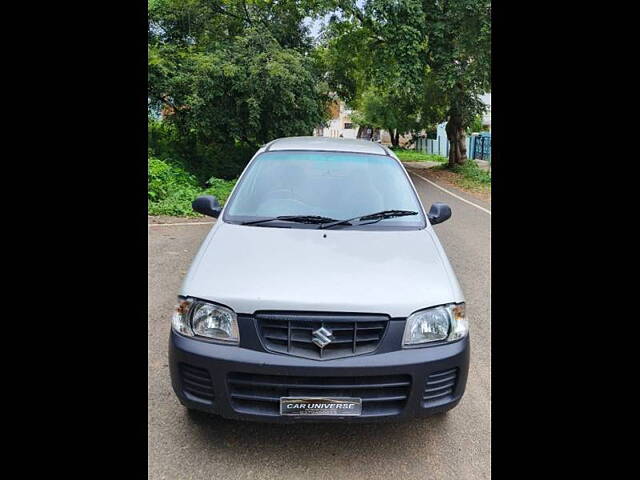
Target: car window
{"type": "Point", "coordinates": [329, 184]}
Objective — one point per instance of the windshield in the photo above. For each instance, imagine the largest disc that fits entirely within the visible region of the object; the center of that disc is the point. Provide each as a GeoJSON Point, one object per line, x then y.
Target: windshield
{"type": "Point", "coordinates": [335, 185]}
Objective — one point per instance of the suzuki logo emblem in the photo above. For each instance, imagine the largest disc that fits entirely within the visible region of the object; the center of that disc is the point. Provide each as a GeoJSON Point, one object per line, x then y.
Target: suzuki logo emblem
{"type": "Point", "coordinates": [322, 337]}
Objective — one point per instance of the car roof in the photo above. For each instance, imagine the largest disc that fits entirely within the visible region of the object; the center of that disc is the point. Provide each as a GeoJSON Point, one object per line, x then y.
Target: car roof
{"type": "Point", "coordinates": [327, 144]}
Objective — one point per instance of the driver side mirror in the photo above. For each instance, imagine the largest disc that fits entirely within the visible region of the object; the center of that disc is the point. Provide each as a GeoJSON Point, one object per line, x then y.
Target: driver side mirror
{"type": "Point", "coordinates": [438, 213]}
{"type": "Point", "coordinates": [207, 205]}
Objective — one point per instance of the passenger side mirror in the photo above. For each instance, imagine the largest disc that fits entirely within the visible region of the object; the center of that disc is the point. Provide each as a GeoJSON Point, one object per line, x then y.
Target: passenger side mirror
{"type": "Point", "coordinates": [207, 205]}
{"type": "Point", "coordinates": [438, 213]}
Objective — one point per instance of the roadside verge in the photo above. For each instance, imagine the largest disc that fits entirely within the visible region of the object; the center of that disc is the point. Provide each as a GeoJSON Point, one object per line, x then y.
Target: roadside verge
{"type": "Point", "coordinates": [461, 195]}
{"type": "Point", "coordinates": [162, 220]}
{"type": "Point", "coordinates": [452, 181]}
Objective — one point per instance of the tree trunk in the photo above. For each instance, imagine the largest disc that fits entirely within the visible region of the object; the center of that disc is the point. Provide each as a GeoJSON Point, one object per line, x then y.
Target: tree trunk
{"type": "Point", "coordinates": [457, 144]}
{"type": "Point", "coordinates": [363, 132]}
{"type": "Point", "coordinates": [393, 133]}
{"type": "Point", "coordinates": [397, 138]}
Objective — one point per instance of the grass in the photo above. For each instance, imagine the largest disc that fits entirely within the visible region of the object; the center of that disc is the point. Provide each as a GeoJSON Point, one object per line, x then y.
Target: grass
{"type": "Point", "coordinates": [171, 189]}
{"type": "Point", "coordinates": [416, 156]}
{"type": "Point", "coordinates": [469, 176]}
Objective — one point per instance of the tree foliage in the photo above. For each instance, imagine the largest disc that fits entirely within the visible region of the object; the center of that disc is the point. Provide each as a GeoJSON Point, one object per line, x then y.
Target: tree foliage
{"type": "Point", "coordinates": [435, 53]}
{"type": "Point", "coordinates": [231, 75]}
{"type": "Point", "coordinates": [389, 110]}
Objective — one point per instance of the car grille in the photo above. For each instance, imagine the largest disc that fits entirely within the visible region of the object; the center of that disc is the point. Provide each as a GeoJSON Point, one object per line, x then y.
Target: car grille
{"type": "Point", "coordinates": [260, 394]}
{"type": "Point", "coordinates": [440, 384]}
{"type": "Point", "coordinates": [196, 382]}
{"type": "Point", "coordinates": [292, 334]}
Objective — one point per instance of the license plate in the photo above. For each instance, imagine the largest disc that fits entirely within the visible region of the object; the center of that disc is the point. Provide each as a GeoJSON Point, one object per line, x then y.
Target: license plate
{"type": "Point", "coordinates": [321, 406]}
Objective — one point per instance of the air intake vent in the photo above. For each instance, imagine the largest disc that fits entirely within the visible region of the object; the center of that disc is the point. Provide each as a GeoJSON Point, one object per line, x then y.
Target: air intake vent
{"type": "Point", "coordinates": [440, 384]}
{"type": "Point", "coordinates": [196, 383]}
{"type": "Point", "coordinates": [260, 394]}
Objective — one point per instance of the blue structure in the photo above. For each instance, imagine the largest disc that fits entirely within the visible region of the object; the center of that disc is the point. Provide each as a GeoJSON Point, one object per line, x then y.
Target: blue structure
{"type": "Point", "coordinates": [480, 146]}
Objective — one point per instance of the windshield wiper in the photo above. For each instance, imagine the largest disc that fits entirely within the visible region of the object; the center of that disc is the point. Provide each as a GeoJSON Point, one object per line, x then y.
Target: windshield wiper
{"type": "Point", "coordinates": [374, 217]}
{"type": "Point", "coordinates": [293, 218]}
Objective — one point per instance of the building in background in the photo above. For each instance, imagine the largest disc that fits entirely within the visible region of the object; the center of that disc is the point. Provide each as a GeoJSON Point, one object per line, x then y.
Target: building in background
{"type": "Point", "coordinates": [340, 124]}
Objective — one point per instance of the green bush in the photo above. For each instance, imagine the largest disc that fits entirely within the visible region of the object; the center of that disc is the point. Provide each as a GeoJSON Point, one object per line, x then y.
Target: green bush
{"type": "Point", "coordinates": [473, 173]}
{"type": "Point", "coordinates": [219, 188]}
{"type": "Point", "coordinates": [171, 189]}
{"type": "Point", "coordinates": [470, 176]}
{"type": "Point", "coordinates": [164, 179]}
{"type": "Point", "coordinates": [203, 161]}
{"type": "Point", "coordinates": [476, 125]}
{"type": "Point", "coordinates": [180, 169]}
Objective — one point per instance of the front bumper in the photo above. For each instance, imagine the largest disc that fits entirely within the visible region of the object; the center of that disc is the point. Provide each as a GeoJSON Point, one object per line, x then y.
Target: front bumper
{"type": "Point", "coordinates": [224, 364]}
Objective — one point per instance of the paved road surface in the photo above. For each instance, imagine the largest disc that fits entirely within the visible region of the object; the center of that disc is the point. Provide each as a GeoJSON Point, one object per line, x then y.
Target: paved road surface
{"type": "Point", "coordinates": [456, 446]}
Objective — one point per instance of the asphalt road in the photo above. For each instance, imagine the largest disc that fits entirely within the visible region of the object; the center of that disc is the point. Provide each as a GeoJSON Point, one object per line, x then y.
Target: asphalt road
{"type": "Point", "coordinates": [453, 446]}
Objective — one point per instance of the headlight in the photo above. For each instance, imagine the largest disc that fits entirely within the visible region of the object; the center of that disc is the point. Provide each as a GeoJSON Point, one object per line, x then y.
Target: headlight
{"type": "Point", "coordinates": [447, 322]}
{"type": "Point", "coordinates": [204, 319]}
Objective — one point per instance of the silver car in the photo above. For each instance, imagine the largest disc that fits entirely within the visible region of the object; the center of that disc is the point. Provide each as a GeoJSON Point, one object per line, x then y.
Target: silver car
{"type": "Point", "coordinates": [322, 293]}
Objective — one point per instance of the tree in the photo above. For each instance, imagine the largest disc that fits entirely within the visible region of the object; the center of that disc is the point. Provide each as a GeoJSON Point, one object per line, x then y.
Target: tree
{"type": "Point", "coordinates": [476, 125]}
{"type": "Point", "coordinates": [435, 52]}
{"type": "Point", "coordinates": [459, 33]}
{"type": "Point", "coordinates": [395, 113]}
{"type": "Point", "coordinates": [232, 74]}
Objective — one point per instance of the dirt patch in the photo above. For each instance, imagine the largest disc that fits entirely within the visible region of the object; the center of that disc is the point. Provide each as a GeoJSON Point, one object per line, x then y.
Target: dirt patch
{"type": "Point", "coordinates": [421, 165]}
{"type": "Point", "coordinates": [447, 178]}
{"type": "Point", "coordinates": [167, 219]}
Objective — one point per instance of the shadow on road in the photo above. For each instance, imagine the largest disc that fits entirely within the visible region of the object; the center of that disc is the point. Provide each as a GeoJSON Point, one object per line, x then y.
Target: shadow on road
{"type": "Point", "coordinates": [312, 440]}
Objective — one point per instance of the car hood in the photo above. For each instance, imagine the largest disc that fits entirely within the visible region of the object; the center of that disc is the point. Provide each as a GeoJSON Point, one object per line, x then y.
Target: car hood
{"type": "Point", "coordinates": [251, 268]}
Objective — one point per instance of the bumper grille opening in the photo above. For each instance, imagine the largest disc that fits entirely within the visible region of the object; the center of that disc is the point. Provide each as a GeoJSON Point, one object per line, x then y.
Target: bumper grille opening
{"type": "Point", "coordinates": [292, 334]}
{"type": "Point", "coordinates": [260, 394]}
{"type": "Point", "coordinates": [440, 385]}
{"type": "Point", "coordinates": [196, 383]}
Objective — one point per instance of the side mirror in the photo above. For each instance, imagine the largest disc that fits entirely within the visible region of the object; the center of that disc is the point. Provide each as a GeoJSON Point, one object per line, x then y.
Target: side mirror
{"type": "Point", "coordinates": [438, 213]}
{"type": "Point", "coordinates": [207, 205]}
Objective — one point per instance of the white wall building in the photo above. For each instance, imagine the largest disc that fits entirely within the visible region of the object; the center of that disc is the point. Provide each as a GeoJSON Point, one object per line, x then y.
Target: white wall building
{"type": "Point", "coordinates": [340, 125]}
